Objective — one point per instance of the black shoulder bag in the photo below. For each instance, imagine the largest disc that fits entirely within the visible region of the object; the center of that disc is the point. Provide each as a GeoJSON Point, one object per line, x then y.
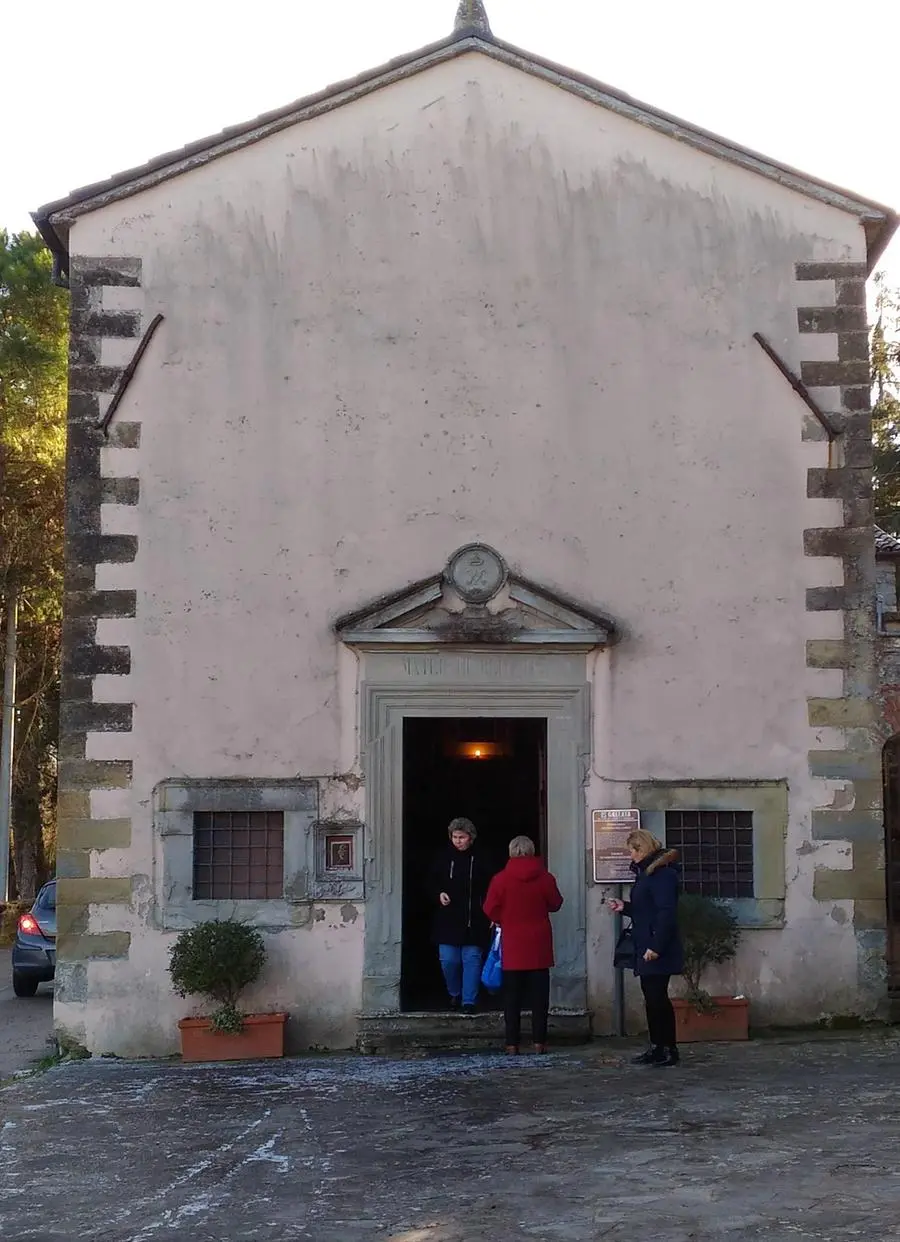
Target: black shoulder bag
{"type": "Point", "coordinates": [625, 953]}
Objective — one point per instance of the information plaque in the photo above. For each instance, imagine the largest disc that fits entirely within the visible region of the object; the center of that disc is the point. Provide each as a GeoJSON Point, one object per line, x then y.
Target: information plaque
{"type": "Point", "coordinates": [612, 858]}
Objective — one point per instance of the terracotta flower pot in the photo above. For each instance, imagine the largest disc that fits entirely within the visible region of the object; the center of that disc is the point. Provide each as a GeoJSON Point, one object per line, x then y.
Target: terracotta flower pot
{"type": "Point", "coordinates": [729, 1020]}
{"type": "Point", "coordinates": [262, 1036]}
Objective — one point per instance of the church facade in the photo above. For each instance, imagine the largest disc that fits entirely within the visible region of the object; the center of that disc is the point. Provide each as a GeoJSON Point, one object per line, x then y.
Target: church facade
{"type": "Point", "coordinates": [467, 439]}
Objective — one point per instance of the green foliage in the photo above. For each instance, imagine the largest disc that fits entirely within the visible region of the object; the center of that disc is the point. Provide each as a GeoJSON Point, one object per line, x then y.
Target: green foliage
{"type": "Point", "coordinates": [227, 1020]}
{"type": "Point", "coordinates": [69, 1048]}
{"type": "Point", "coordinates": [33, 357]}
{"type": "Point", "coordinates": [50, 1061]}
{"type": "Point", "coordinates": [885, 354]}
{"type": "Point", "coordinates": [218, 959]}
{"type": "Point", "coordinates": [709, 934]}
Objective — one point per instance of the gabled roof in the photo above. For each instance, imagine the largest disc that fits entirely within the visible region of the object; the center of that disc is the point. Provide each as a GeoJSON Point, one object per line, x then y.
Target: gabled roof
{"type": "Point", "coordinates": [54, 219]}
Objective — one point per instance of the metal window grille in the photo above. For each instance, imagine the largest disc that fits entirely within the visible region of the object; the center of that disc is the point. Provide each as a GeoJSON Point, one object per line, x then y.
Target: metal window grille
{"type": "Point", "coordinates": [716, 849]}
{"type": "Point", "coordinates": [238, 854]}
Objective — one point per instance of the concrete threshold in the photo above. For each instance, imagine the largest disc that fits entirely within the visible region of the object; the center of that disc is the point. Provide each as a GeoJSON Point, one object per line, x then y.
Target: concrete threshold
{"type": "Point", "coordinates": [393, 1034]}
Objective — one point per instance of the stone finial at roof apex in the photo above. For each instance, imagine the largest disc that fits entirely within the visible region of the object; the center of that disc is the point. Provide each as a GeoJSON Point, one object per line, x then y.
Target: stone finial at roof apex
{"type": "Point", "coordinates": [471, 17]}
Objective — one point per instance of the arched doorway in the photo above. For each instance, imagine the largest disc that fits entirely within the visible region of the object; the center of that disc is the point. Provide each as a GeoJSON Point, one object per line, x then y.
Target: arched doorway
{"type": "Point", "coordinates": [891, 778]}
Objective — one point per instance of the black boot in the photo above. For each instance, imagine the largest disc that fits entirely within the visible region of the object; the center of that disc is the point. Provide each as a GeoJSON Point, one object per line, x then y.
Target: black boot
{"type": "Point", "coordinates": [652, 1056]}
{"type": "Point", "coordinates": [669, 1057]}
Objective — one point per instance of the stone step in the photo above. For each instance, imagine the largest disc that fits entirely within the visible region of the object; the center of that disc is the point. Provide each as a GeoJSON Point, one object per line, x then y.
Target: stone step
{"type": "Point", "coordinates": [451, 1031]}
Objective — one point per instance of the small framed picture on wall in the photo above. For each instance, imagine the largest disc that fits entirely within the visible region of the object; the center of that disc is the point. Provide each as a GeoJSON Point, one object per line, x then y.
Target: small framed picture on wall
{"type": "Point", "coordinates": [339, 860]}
{"type": "Point", "coordinates": [339, 850]}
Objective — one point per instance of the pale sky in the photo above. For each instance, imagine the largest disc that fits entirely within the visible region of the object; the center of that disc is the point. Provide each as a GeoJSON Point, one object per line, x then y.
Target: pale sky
{"type": "Point", "coordinates": [94, 87]}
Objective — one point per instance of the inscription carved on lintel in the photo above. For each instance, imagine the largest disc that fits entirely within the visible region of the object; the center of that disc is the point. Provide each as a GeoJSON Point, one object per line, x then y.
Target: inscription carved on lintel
{"type": "Point", "coordinates": [463, 668]}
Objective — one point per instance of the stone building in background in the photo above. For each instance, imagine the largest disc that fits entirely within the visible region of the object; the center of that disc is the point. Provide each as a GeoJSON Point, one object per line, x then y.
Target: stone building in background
{"type": "Point", "coordinates": [466, 439]}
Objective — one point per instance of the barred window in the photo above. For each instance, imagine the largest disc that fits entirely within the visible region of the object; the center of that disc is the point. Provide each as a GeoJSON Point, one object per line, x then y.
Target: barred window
{"type": "Point", "coordinates": [716, 849]}
{"type": "Point", "coordinates": [238, 854]}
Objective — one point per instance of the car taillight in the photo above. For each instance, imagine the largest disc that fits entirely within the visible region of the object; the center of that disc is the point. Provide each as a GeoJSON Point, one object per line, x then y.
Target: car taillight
{"type": "Point", "coordinates": [29, 925]}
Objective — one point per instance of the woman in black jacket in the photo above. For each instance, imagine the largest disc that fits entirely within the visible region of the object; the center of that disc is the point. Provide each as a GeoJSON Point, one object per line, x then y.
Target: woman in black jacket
{"type": "Point", "coordinates": [458, 885]}
{"type": "Point", "coordinates": [653, 910]}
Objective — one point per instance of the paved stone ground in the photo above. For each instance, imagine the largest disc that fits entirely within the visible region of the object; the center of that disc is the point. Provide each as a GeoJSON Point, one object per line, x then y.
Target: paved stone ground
{"type": "Point", "coordinates": [26, 1024]}
{"type": "Point", "coordinates": [774, 1140]}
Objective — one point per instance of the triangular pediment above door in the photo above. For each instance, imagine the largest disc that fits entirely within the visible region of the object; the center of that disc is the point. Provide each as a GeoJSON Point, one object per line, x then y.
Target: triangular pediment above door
{"type": "Point", "coordinates": [476, 600]}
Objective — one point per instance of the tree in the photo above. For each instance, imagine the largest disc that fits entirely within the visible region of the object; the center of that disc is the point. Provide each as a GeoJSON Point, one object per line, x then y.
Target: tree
{"type": "Point", "coordinates": [885, 352]}
{"type": "Point", "coordinates": [33, 348]}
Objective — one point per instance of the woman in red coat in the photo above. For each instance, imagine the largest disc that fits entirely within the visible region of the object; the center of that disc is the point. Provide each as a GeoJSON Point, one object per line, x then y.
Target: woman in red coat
{"type": "Point", "coordinates": [520, 899]}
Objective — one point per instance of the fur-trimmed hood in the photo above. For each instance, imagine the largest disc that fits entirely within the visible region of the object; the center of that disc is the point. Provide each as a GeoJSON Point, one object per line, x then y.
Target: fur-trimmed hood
{"type": "Point", "coordinates": [662, 858]}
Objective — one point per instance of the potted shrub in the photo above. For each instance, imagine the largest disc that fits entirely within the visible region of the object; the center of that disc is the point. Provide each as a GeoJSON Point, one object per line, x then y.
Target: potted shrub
{"type": "Point", "coordinates": [218, 959]}
{"type": "Point", "coordinates": [709, 933]}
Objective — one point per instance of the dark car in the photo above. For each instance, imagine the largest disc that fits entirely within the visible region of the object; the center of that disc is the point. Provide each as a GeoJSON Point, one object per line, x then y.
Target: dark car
{"type": "Point", "coordinates": [34, 948]}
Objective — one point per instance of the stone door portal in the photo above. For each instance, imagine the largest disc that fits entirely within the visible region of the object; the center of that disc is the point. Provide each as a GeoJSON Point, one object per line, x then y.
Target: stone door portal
{"type": "Point", "coordinates": [474, 642]}
{"type": "Point", "coordinates": [891, 770]}
{"type": "Point", "coordinates": [547, 687]}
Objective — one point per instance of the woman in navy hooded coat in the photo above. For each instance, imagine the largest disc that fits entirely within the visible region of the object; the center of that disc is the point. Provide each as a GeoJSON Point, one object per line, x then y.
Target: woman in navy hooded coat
{"type": "Point", "coordinates": [653, 910]}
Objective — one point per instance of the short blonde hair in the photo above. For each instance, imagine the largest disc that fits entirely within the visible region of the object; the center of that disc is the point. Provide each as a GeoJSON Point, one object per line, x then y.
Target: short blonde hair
{"type": "Point", "coordinates": [521, 847]}
{"type": "Point", "coordinates": [643, 841]}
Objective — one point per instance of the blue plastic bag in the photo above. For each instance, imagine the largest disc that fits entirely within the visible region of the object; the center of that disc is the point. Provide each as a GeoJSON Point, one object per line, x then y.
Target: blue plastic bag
{"type": "Point", "coordinates": [492, 971]}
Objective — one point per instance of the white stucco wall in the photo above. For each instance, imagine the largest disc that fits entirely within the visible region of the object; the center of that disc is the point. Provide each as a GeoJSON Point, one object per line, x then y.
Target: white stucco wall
{"type": "Point", "coordinates": [469, 306]}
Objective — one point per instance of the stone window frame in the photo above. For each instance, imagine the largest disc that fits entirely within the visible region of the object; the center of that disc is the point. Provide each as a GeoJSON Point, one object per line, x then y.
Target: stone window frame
{"type": "Point", "coordinates": [766, 799]}
{"type": "Point", "coordinates": [175, 801]}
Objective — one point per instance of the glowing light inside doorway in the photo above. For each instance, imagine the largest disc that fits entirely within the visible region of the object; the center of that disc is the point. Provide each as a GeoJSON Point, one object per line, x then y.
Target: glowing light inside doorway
{"type": "Point", "coordinates": [480, 750]}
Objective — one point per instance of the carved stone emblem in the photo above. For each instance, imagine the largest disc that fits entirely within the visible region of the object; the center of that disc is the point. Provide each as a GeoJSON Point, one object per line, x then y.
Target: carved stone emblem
{"type": "Point", "coordinates": [476, 572]}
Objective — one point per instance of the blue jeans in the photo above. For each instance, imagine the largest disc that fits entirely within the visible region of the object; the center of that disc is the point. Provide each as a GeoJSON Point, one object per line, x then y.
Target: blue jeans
{"type": "Point", "coordinates": [461, 965]}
